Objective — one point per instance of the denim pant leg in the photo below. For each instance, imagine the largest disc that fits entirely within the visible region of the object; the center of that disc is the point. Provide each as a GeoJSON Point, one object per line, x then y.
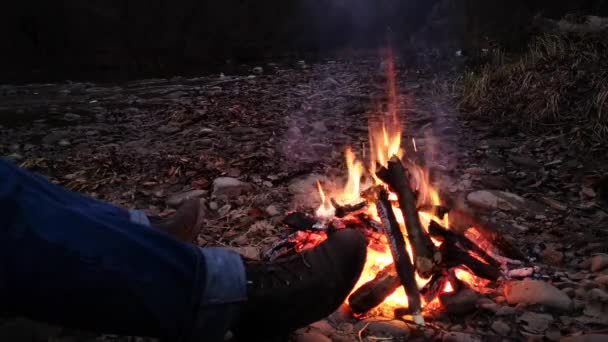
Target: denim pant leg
{"type": "Point", "coordinates": [54, 192]}
{"type": "Point", "coordinates": [74, 261]}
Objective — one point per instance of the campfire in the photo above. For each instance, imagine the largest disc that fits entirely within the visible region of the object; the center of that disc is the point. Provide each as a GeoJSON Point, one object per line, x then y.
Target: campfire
{"type": "Point", "coordinates": [416, 261]}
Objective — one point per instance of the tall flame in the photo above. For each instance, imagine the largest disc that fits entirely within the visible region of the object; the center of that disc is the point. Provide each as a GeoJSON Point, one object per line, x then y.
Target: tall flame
{"type": "Point", "coordinates": [352, 189]}
{"type": "Point", "coordinates": [326, 209]}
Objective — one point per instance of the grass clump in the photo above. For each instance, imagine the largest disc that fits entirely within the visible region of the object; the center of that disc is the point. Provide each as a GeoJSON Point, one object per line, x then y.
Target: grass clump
{"type": "Point", "coordinates": [561, 82]}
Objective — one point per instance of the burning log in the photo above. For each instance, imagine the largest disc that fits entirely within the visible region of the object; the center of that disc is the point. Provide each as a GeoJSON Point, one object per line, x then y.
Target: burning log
{"type": "Point", "coordinates": [405, 269]}
{"type": "Point", "coordinates": [464, 220]}
{"type": "Point", "coordinates": [486, 230]}
{"type": "Point", "coordinates": [299, 221]}
{"type": "Point", "coordinates": [344, 210]}
{"type": "Point", "coordinates": [451, 237]}
{"type": "Point", "coordinates": [438, 211]}
{"type": "Point", "coordinates": [454, 256]}
{"type": "Point", "coordinates": [375, 291]}
{"type": "Point", "coordinates": [438, 281]}
{"type": "Point", "coordinates": [426, 256]}
{"type": "Point", "coordinates": [369, 222]}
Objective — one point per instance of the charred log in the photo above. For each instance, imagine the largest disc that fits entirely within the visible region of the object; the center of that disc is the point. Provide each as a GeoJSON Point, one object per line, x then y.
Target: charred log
{"type": "Point", "coordinates": [344, 210]}
{"type": "Point", "coordinates": [405, 269]}
{"type": "Point", "coordinates": [369, 222]}
{"type": "Point", "coordinates": [489, 233]}
{"type": "Point", "coordinates": [375, 291]}
{"type": "Point", "coordinates": [438, 211]}
{"type": "Point", "coordinates": [434, 286]}
{"type": "Point", "coordinates": [396, 176]}
{"type": "Point", "coordinates": [453, 238]}
{"type": "Point", "coordinates": [299, 221]}
{"type": "Point", "coordinates": [454, 256]}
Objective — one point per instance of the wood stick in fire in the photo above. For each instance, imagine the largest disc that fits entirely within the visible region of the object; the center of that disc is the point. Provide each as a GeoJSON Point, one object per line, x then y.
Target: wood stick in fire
{"type": "Point", "coordinates": [375, 291]}
{"type": "Point", "coordinates": [403, 265]}
{"type": "Point", "coordinates": [426, 256]}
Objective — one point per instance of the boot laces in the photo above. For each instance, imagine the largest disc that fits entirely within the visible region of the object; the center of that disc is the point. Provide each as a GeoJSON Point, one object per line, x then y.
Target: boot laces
{"type": "Point", "coordinates": [284, 272]}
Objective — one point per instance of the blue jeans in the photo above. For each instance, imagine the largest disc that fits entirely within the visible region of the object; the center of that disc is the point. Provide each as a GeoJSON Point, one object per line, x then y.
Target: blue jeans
{"type": "Point", "coordinates": [75, 261]}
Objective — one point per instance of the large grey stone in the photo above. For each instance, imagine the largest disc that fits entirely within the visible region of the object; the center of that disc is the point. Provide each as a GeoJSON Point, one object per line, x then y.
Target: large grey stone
{"type": "Point", "coordinates": [534, 323]}
{"type": "Point", "coordinates": [537, 292]}
{"type": "Point", "coordinates": [228, 187]}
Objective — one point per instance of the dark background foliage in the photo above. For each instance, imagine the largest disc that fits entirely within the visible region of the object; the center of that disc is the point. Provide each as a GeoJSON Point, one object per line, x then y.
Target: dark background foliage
{"type": "Point", "coordinates": [72, 38]}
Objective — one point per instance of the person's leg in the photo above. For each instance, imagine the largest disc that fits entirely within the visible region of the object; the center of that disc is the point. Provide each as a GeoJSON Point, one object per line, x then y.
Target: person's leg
{"type": "Point", "coordinates": [75, 261]}
{"type": "Point", "coordinates": [53, 192]}
{"type": "Point", "coordinates": [88, 266]}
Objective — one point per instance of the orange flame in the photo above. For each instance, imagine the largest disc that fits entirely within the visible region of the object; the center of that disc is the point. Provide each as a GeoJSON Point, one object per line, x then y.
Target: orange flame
{"type": "Point", "coordinates": [326, 210]}
{"type": "Point", "coordinates": [352, 189]}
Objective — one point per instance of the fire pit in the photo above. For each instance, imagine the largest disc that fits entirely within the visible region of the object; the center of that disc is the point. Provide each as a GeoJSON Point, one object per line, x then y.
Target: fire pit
{"type": "Point", "coordinates": [417, 262]}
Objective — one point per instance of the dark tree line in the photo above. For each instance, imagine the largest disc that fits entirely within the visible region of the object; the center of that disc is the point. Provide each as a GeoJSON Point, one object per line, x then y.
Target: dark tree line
{"type": "Point", "coordinates": [73, 36]}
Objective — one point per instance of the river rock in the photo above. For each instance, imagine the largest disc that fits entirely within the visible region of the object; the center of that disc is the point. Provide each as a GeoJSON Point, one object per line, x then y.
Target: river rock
{"type": "Point", "coordinates": [230, 187]}
{"type": "Point", "coordinates": [487, 304]}
{"type": "Point", "coordinates": [319, 126]}
{"type": "Point", "coordinates": [454, 336]}
{"type": "Point", "coordinates": [501, 328]}
{"type": "Point", "coordinates": [494, 199]}
{"type": "Point", "coordinates": [71, 117]}
{"type": "Point", "coordinates": [496, 182]}
{"type": "Point", "coordinates": [598, 295]}
{"type": "Point", "coordinates": [586, 338]}
{"type": "Point", "coordinates": [525, 161]}
{"type": "Point", "coordinates": [537, 292]}
{"type": "Point", "coordinates": [392, 328]}
{"type": "Point", "coordinates": [64, 143]}
{"type": "Point", "coordinates": [243, 130]}
{"type": "Point", "coordinates": [534, 323]}
{"type": "Point", "coordinates": [54, 137]}
{"type": "Point", "coordinates": [323, 327]}
{"type": "Point", "coordinates": [311, 336]}
{"type": "Point", "coordinates": [459, 303]}
{"type": "Point", "coordinates": [272, 210]}
{"type": "Point", "coordinates": [553, 257]}
{"type": "Point", "coordinates": [602, 280]}
{"type": "Point", "coordinates": [176, 200]}
{"type": "Point", "coordinates": [599, 262]}
{"type": "Point", "coordinates": [506, 311]}
{"type": "Point", "coordinates": [553, 334]}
